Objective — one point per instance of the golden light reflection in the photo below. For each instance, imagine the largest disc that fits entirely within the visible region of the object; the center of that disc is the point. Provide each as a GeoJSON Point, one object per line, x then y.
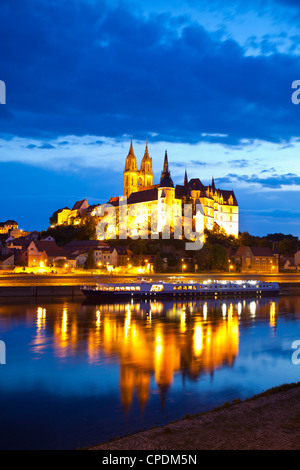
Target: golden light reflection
{"type": "Point", "coordinates": [41, 317]}
{"type": "Point", "coordinates": [205, 311]}
{"type": "Point", "coordinates": [98, 319]}
{"type": "Point", "coordinates": [252, 308]}
{"type": "Point", "coordinates": [224, 310]}
{"type": "Point", "coordinates": [151, 340]}
{"type": "Point", "coordinates": [64, 321]}
{"type": "Point", "coordinates": [272, 314]}
{"type": "Point", "coordinates": [198, 339]}
{"type": "Point", "coordinates": [183, 321]}
{"type": "Point", "coordinates": [127, 322]}
{"type": "Point", "coordinates": [230, 311]}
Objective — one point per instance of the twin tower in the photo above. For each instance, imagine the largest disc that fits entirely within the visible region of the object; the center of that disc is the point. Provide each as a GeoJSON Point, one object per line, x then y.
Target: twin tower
{"type": "Point", "coordinates": [134, 179]}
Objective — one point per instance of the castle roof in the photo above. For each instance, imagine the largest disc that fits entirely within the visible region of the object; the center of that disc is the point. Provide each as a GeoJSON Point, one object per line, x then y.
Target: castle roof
{"type": "Point", "coordinates": [166, 180]}
{"type": "Point", "coordinates": [195, 184]}
{"type": "Point", "coordinates": [143, 196]}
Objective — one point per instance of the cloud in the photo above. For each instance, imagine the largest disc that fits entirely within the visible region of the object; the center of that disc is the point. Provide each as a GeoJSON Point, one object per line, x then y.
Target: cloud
{"type": "Point", "coordinates": [77, 68]}
{"type": "Point", "coordinates": [274, 181]}
{"type": "Point", "coordinates": [240, 163]}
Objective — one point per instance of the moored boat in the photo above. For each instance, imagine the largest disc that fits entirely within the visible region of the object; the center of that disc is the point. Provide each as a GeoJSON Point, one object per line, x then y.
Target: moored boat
{"type": "Point", "coordinates": [177, 289]}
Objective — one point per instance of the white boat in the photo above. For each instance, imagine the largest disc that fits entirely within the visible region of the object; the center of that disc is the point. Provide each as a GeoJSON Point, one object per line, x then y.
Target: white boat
{"type": "Point", "coordinates": [177, 289]}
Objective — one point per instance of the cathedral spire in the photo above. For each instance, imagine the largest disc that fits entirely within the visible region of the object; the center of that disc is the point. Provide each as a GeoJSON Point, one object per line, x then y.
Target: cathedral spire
{"type": "Point", "coordinates": [130, 173]}
{"type": "Point", "coordinates": [213, 183]}
{"type": "Point", "coordinates": [185, 178]}
{"type": "Point", "coordinates": [131, 152]}
{"type": "Point", "coordinates": [166, 166]}
{"type": "Point", "coordinates": [146, 154]}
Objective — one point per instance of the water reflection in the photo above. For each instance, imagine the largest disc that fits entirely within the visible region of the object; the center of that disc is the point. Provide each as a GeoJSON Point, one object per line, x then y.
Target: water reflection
{"type": "Point", "coordinates": [159, 339]}
{"type": "Point", "coordinates": [143, 359]}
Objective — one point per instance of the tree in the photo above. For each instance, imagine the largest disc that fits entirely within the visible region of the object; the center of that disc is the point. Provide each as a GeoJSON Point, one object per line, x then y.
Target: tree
{"type": "Point", "coordinates": [90, 261]}
{"type": "Point", "coordinates": [218, 257]}
{"type": "Point", "coordinates": [287, 246]}
{"type": "Point", "coordinates": [53, 218]}
{"type": "Point", "coordinates": [59, 263]}
{"type": "Point", "coordinates": [158, 265]}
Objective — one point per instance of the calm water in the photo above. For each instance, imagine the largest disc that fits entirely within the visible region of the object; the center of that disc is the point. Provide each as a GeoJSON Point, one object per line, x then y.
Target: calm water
{"type": "Point", "coordinates": [79, 374]}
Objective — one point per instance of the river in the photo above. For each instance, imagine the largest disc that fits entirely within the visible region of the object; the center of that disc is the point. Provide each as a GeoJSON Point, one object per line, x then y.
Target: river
{"type": "Point", "coordinates": [77, 374]}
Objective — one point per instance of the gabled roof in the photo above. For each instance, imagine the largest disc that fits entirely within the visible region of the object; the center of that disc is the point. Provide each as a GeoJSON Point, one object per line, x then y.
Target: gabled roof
{"type": "Point", "coordinates": [21, 241]}
{"type": "Point", "coordinates": [10, 222]}
{"type": "Point", "coordinates": [50, 248]}
{"type": "Point", "coordinates": [261, 251]}
{"type": "Point", "coordinates": [240, 251]}
{"type": "Point", "coordinates": [123, 250]}
{"type": "Point", "coordinates": [5, 257]}
{"type": "Point", "coordinates": [226, 195]}
{"type": "Point", "coordinates": [196, 185]}
{"type": "Point", "coordinates": [63, 209]}
{"type": "Point", "coordinates": [255, 250]}
{"type": "Point", "coordinates": [78, 204]}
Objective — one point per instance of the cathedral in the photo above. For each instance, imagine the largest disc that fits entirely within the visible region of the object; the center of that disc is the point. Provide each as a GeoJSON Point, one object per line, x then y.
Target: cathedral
{"type": "Point", "coordinates": [218, 206]}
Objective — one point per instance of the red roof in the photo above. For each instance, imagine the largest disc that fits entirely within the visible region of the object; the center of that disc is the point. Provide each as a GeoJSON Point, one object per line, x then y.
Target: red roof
{"type": "Point", "coordinates": [255, 250]}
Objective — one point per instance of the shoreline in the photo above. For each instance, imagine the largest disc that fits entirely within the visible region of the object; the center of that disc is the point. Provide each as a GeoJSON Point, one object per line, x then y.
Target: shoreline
{"type": "Point", "coordinates": [38, 285]}
{"type": "Point", "coordinates": [267, 421]}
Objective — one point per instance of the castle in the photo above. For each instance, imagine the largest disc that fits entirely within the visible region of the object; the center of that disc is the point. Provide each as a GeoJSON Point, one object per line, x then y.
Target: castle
{"type": "Point", "coordinates": [218, 206]}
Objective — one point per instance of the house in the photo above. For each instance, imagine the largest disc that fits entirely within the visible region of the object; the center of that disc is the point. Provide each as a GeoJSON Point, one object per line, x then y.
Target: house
{"type": "Point", "coordinates": [103, 253]}
{"type": "Point", "coordinates": [257, 259]}
{"type": "Point", "coordinates": [16, 233]}
{"type": "Point", "coordinates": [52, 251]}
{"type": "Point", "coordinates": [7, 261]}
{"type": "Point", "coordinates": [35, 253]}
{"type": "Point", "coordinates": [5, 227]}
{"type": "Point", "coordinates": [288, 263]}
{"type": "Point", "coordinates": [19, 243]}
{"type": "Point", "coordinates": [106, 255]}
{"type": "Point", "coordinates": [124, 255]}
{"type": "Point", "coordinates": [63, 215]}
{"type": "Point", "coordinates": [35, 257]}
{"type": "Point", "coordinates": [297, 259]}
{"type": "Point", "coordinates": [80, 207]}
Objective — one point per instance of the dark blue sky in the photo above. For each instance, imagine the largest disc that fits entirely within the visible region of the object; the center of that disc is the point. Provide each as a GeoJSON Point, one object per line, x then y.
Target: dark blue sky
{"type": "Point", "coordinates": [208, 80]}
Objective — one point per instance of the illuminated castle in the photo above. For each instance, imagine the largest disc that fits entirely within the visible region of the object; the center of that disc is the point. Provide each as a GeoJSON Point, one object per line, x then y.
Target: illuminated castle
{"type": "Point", "coordinates": [218, 206]}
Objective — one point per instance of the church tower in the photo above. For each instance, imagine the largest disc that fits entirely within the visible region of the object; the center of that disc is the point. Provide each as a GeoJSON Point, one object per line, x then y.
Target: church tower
{"type": "Point", "coordinates": [166, 196]}
{"type": "Point", "coordinates": [130, 173]}
{"type": "Point", "coordinates": [146, 174]}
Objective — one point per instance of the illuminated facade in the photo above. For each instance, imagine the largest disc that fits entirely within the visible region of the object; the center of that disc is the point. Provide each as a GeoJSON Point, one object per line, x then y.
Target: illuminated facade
{"type": "Point", "coordinates": [218, 206]}
{"type": "Point", "coordinates": [210, 206]}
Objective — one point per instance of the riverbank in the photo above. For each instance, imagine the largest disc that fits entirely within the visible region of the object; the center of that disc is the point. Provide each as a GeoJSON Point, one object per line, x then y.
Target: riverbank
{"type": "Point", "coordinates": [268, 421]}
{"type": "Point", "coordinates": [39, 285]}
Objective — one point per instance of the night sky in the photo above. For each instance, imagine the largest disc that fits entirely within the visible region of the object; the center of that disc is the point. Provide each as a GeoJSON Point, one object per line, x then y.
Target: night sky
{"type": "Point", "coordinates": [208, 80]}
